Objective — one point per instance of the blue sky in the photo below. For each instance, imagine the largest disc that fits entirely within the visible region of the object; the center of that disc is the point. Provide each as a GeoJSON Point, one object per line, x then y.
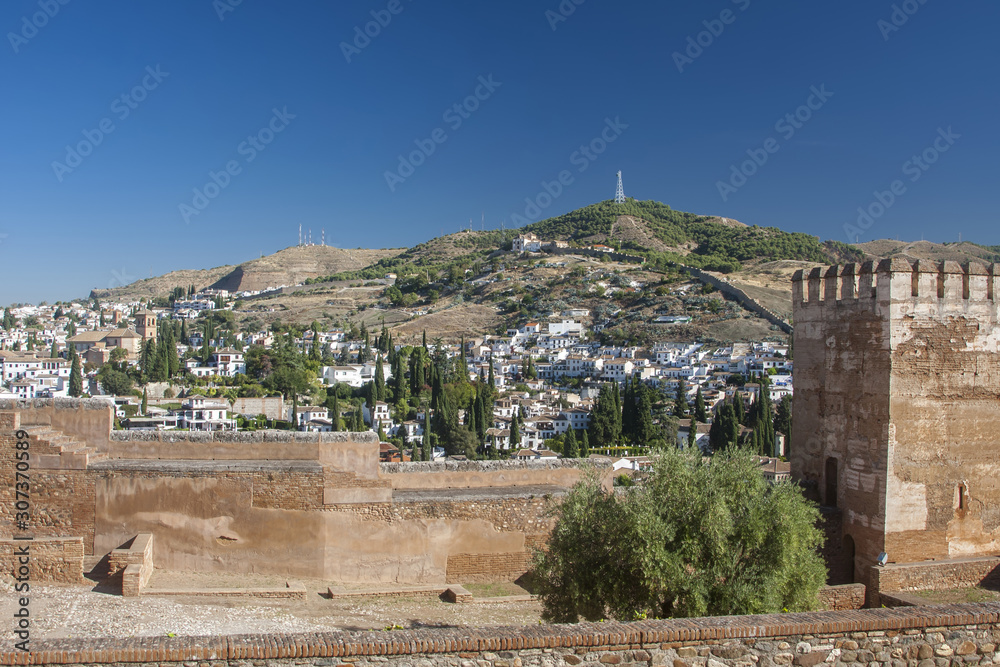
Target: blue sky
{"type": "Point", "coordinates": [204, 80]}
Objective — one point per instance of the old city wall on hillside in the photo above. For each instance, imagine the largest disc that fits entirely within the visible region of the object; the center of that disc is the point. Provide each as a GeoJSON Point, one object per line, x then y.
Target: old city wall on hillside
{"type": "Point", "coordinates": [943, 636]}
{"type": "Point", "coordinates": [896, 413]}
{"type": "Point", "coordinates": [298, 504]}
{"type": "Point", "coordinates": [740, 297]}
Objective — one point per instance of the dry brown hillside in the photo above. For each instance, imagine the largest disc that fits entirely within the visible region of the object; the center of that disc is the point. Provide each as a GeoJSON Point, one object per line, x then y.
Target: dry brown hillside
{"type": "Point", "coordinates": [162, 285]}
{"type": "Point", "coordinates": [294, 265]}
{"type": "Point", "coordinates": [958, 252]}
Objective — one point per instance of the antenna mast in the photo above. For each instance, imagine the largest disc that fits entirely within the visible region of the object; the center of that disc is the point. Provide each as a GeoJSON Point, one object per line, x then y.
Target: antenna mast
{"type": "Point", "coordinates": [300, 233]}
{"type": "Point", "coordinates": [620, 192]}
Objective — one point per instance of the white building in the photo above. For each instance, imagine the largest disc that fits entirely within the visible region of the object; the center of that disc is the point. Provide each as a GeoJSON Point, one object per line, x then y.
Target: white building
{"type": "Point", "coordinates": [526, 243]}
{"type": "Point", "coordinates": [199, 413]}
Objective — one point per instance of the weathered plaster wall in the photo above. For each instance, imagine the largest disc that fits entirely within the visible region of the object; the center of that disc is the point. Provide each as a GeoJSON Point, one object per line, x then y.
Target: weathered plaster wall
{"type": "Point", "coordinates": [297, 504]}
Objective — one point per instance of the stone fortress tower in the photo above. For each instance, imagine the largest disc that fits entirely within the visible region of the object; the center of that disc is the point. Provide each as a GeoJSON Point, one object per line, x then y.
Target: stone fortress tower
{"type": "Point", "coordinates": [896, 418]}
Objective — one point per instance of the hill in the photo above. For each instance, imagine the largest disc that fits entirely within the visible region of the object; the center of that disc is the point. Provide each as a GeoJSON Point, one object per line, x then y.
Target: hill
{"type": "Point", "coordinates": [958, 252]}
{"type": "Point", "coordinates": [286, 267]}
{"type": "Point", "coordinates": [664, 235]}
{"type": "Point", "coordinates": [297, 264]}
{"type": "Point", "coordinates": [468, 283]}
{"type": "Point", "coordinates": [161, 285]}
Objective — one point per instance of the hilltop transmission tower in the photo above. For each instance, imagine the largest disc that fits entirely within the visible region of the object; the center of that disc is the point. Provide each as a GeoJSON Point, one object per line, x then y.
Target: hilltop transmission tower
{"type": "Point", "coordinates": [620, 192]}
{"type": "Point", "coordinates": [300, 233]}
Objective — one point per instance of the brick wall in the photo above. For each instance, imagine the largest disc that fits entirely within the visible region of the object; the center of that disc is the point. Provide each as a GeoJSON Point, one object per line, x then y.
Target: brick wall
{"type": "Point", "coordinates": [942, 636]}
{"type": "Point", "coordinates": [50, 559]}
{"type": "Point", "coordinates": [842, 598]}
{"type": "Point", "coordinates": [133, 564]}
{"type": "Point", "coordinates": [487, 568]}
{"type": "Point", "coordinates": [288, 490]}
{"type": "Point", "coordinates": [63, 503]}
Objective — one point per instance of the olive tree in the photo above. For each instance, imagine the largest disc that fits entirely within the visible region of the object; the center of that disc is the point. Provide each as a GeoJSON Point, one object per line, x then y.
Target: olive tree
{"type": "Point", "coordinates": [702, 537]}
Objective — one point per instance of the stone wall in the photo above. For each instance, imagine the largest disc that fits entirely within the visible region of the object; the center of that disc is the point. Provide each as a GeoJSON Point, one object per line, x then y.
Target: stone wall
{"type": "Point", "coordinates": [50, 559]}
{"type": "Point", "coordinates": [945, 636]}
{"type": "Point", "coordinates": [740, 297]}
{"type": "Point", "coordinates": [937, 575]}
{"type": "Point", "coordinates": [478, 474]}
{"type": "Point", "coordinates": [293, 504]}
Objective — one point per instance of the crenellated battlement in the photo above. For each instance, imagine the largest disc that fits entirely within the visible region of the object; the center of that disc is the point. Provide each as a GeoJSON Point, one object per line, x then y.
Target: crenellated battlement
{"type": "Point", "coordinates": [947, 286]}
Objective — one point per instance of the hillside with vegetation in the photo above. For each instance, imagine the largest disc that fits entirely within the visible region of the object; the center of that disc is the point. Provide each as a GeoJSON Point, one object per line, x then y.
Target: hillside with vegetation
{"type": "Point", "coordinates": [470, 283]}
{"type": "Point", "coordinates": [696, 240]}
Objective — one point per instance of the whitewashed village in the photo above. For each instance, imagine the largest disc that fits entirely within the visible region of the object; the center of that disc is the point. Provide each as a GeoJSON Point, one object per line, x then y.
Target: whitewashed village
{"type": "Point", "coordinates": [531, 392]}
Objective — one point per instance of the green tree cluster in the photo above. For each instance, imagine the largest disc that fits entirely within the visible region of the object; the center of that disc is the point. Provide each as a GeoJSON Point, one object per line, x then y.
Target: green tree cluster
{"type": "Point", "coordinates": [700, 538]}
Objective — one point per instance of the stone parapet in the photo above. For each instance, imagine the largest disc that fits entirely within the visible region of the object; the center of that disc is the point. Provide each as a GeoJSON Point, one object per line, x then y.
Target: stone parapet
{"type": "Point", "coordinates": [957, 634]}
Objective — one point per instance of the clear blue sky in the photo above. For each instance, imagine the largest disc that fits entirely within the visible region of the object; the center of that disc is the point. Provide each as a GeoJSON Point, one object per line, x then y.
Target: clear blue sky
{"type": "Point", "coordinates": [117, 213]}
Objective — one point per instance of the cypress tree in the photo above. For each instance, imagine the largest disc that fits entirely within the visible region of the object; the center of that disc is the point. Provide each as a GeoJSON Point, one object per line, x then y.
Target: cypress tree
{"type": "Point", "coordinates": [629, 413]}
{"type": "Point", "coordinates": [584, 446]}
{"type": "Point", "coordinates": [379, 379]}
{"type": "Point", "coordinates": [405, 440]}
{"type": "Point", "coordinates": [515, 429]}
{"type": "Point", "coordinates": [700, 413]}
{"type": "Point", "coordinates": [570, 448]}
{"type": "Point", "coordinates": [425, 445]}
{"type": "Point", "coordinates": [692, 433]}
{"type": "Point", "coordinates": [483, 421]}
{"type": "Point", "coordinates": [470, 417]}
{"type": "Point", "coordinates": [143, 407]}
{"type": "Point", "coordinates": [680, 399]}
{"type": "Point", "coordinates": [335, 412]}
{"type": "Point", "coordinates": [173, 362]}
{"type": "Point", "coordinates": [75, 377]}
{"type": "Point", "coordinates": [53, 353]}
{"type": "Point", "coordinates": [359, 421]}
{"type": "Point", "coordinates": [644, 416]}
{"type": "Point", "coordinates": [739, 408]}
